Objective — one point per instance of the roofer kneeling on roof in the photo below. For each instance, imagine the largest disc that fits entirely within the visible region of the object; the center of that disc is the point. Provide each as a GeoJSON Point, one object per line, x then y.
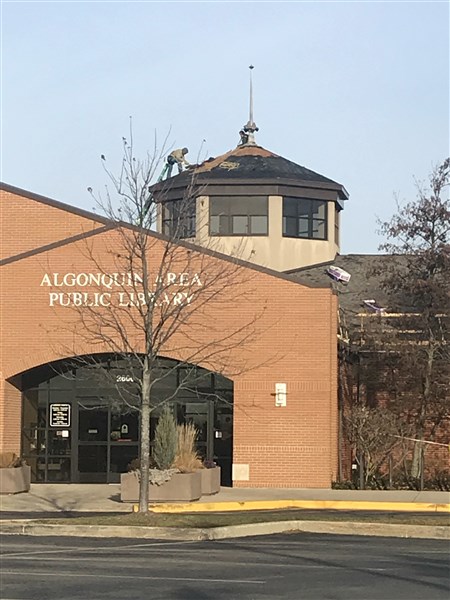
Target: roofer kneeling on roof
{"type": "Point", "coordinates": [177, 158]}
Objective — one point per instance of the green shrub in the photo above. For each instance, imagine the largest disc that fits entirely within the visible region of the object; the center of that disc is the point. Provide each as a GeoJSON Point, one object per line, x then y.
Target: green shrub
{"type": "Point", "coordinates": [343, 485]}
{"type": "Point", "coordinates": [166, 440]}
{"type": "Point", "coordinates": [440, 481]}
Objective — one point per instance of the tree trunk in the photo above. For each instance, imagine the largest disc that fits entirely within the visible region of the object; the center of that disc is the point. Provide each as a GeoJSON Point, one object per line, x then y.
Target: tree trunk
{"type": "Point", "coordinates": [417, 465]}
{"type": "Point", "coordinates": [145, 439]}
{"type": "Point", "coordinates": [361, 463]}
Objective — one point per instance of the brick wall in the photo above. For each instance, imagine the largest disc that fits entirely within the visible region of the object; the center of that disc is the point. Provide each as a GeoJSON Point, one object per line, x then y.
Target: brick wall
{"type": "Point", "coordinates": [280, 332]}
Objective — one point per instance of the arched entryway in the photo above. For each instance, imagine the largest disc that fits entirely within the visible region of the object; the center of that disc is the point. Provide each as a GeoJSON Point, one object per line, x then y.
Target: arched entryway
{"type": "Point", "coordinates": [80, 420]}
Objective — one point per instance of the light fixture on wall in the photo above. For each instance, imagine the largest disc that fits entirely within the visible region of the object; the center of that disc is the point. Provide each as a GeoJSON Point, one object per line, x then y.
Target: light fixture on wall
{"type": "Point", "coordinates": [280, 394]}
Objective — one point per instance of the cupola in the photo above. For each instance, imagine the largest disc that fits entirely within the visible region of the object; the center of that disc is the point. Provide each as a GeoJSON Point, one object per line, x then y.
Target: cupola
{"type": "Point", "coordinates": [254, 204]}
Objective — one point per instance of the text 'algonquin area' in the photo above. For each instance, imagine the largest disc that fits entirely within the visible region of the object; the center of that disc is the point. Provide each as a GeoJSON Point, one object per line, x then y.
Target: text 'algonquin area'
{"type": "Point", "coordinates": [124, 289]}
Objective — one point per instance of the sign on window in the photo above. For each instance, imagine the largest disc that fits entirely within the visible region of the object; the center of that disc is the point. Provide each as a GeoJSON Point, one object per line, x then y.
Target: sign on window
{"type": "Point", "coordinates": [59, 415]}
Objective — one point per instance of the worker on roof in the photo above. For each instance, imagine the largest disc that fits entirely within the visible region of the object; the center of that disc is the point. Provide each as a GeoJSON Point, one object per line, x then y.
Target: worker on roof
{"type": "Point", "coordinates": [177, 157]}
{"type": "Point", "coordinates": [244, 137]}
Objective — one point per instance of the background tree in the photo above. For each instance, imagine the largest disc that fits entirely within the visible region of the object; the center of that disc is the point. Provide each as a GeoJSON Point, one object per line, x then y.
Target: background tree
{"type": "Point", "coordinates": [417, 281]}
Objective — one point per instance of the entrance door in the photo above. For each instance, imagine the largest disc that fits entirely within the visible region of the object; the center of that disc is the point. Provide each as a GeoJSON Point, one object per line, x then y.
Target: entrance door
{"type": "Point", "coordinates": [107, 440]}
{"type": "Point", "coordinates": [58, 456]}
{"type": "Point", "coordinates": [213, 418]}
{"type": "Point", "coordinates": [201, 414]}
{"type": "Point", "coordinates": [93, 435]}
{"type": "Point", "coordinates": [223, 440]}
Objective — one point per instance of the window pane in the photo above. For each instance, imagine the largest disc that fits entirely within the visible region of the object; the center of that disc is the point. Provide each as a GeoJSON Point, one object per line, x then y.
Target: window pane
{"type": "Point", "coordinates": [186, 228]}
{"type": "Point", "coordinates": [289, 207]}
{"type": "Point", "coordinates": [122, 456]}
{"type": "Point", "coordinates": [58, 469]}
{"type": "Point", "coordinates": [124, 425]}
{"type": "Point", "coordinates": [318, 229]}
{"type": "Point", "coordinates": [224, 225]}
{"type": "Point", "coordinates": [304, 207]}
{"type": "Point", "coordinates": [218, 206]}
{"type": "Point", "coordinates": [240, 225]}
{"type": "Point", "coordinates": [62, 382]}
{"type": "Point", "coordinates": [303, 227]}
{"type": "Point", "coordinates": [290, 226]}
{"type": "Point", "coordinates": [214, 225]}
{"type": "Point", "coordinates": [255, 205]}
{"type": "Point", "coordinates": [336, 226]}
{"type": "Point", "coordinates": [236, 206]}
{"type": "Point", "coordinates": [30, 407]}
{"type": "Point", "coordinates": [190, 226]}
{"type": "Point", "coordinates": [258, 225]}
{"type": "Point", "coordinates": [166, 228]}
{"type": "Point", "coordinates": [319, 210]}
{"type": "Point", "coordinates": [57, 444]}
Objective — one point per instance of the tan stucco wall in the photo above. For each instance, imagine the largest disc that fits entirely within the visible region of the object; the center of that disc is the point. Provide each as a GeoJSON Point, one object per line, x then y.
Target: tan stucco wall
{"type": "Point", "coordinates": [273, 251]}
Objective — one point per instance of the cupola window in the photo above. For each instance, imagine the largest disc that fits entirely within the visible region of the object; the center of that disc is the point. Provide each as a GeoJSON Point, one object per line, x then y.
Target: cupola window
{"type": "Point", "coordinates": [304, 218]}
{"type": "Point", "coordinates": [178, 218]}
{"type": "Point", "coordinates": [337, 218]}
{"type": "Point", "coordinates": [238, 215]}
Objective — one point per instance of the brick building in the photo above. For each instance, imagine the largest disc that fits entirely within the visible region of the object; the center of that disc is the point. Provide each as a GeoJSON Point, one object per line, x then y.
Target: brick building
{"type": "Point", "coordinates": [266, 406]}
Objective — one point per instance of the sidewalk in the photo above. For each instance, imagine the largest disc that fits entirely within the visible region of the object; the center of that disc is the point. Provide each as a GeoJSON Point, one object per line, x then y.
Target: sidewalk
{"type": "Point", "coordinates": [106, 498]}
{"type": "Point", "coordinates": [98, 498]}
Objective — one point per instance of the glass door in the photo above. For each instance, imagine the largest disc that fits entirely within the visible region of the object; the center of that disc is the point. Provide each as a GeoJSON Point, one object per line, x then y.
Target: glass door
{"type": "Point", "coordinates": [59, 455]}
{"type": "Point", "coordinates": [107, 439]}
{"type": "Point", "coordinates": [93, 435]}
{"type": "Point", "coordinates": [199, 412]}
{"type": "Point", "coordinates": [223, 437]}
{"type": "Point", "coordinates": [123, 440]}
{"type": "Point", "coordinates": [212, 416]}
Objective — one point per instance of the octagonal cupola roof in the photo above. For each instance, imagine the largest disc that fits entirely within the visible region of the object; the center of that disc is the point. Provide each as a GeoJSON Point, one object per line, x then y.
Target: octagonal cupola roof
{"type": "Point", "coordinates": [248, 164]}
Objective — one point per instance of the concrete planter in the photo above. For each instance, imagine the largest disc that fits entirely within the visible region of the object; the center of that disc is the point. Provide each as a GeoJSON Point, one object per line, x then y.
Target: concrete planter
{"type": "Point", "coordinates": [182, 487]}
{"type": "Point", "coordinates": [14, 480]}
{"type": "Point", "coordinates": [210, 481]}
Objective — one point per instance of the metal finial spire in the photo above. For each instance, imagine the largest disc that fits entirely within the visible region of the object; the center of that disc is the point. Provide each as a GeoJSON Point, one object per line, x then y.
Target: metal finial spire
{"type": "Point", "coordinates": [250, 120]}
{"type": "Point", "coordinates": [247, 133]}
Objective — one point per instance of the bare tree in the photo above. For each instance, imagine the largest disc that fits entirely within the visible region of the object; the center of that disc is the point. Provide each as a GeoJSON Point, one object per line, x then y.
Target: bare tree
{"type": "Point", "coordinates": [374, 433]}
{"type": "Point", "coordinates": [165, 296]}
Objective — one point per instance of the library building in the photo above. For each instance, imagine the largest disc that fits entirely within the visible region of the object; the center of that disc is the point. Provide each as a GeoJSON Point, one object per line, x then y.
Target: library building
{"type": "Point", "coordinates": [239, 346]}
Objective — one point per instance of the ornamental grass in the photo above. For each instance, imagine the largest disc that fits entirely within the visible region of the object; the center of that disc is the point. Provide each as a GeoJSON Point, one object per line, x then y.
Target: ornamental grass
{"type": "Point", "coordinates": [187, 459]}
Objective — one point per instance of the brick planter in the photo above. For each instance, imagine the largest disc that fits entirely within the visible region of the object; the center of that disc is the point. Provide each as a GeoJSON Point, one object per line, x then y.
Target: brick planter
{"type": "Point", "coordinates": [182, 487]}
{"type": "Point", "coordinates": [210, 481]}
{"type": "Point", "coordinates": [14, 480]}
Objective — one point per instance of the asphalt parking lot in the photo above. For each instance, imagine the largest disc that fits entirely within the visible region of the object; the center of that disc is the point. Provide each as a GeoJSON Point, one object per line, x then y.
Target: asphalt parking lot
{"type": "Point", "coordinates": [292, 566]}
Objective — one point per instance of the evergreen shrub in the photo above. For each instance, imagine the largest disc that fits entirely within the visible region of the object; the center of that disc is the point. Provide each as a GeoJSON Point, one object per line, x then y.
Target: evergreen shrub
{"type": "Point", "coordinates": [166, 440]}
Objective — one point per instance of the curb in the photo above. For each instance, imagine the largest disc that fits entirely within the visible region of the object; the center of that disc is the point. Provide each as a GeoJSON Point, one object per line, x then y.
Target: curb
{"type": "Point", "coordinates": [307, 504]}
{"type": "Point", "coordinates": [230, 531]}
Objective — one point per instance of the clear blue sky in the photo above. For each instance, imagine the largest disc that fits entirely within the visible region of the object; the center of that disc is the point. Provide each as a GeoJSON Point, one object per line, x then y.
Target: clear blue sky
{"type": "Point", "coordinates": [357, 91]}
